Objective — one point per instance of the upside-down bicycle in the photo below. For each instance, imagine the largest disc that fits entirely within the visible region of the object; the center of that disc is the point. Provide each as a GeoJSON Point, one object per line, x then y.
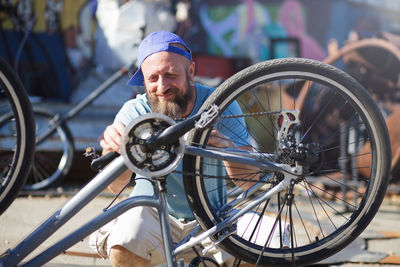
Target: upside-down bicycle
{"type": "Point", "coordinates": [307, 122]}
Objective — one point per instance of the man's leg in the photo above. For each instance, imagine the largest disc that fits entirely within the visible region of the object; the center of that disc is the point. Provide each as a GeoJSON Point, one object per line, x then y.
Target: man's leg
{"type": "Point", "coordinates": [121, 257]}
{"type": "Point", "coordinates": [135, 238]}
{"type": "Point", "coordinates": [138, 232]}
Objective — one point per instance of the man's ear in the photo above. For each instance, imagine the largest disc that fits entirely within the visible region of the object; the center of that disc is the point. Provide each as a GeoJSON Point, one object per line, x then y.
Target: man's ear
{"type": "Point", "coordinates": [192, 68]}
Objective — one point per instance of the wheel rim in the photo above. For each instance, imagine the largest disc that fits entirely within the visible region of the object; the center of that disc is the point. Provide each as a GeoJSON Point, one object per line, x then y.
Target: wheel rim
{"type": "Point", "coordinates": [16, 137]}
{"type": "Point", "coordinates": [53, 157]}
{"type": "Point", "coordinates": [347, 224]}
{"type": "Point", "coordinates": [12, 140]}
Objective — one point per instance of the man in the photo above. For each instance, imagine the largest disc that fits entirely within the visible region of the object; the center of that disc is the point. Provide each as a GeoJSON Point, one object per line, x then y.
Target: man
{"type": "Point", "coordinates": [166, 70]}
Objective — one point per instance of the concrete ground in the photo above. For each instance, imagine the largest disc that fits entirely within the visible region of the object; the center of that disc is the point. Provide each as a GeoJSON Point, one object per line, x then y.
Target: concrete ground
{"type": "Point", "coordinates": [379, 245]}
{"type": "Point", "coordinates": [28, 212]}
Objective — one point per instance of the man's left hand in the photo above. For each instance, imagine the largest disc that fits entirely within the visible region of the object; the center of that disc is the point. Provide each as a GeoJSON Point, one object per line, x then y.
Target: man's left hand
{"type": "Point", "coordinates": [217, 139]}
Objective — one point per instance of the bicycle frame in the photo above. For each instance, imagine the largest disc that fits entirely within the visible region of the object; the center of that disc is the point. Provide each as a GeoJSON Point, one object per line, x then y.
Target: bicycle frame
{"type": "Point", "coordinates": [60, 119]}
{"type": "Point", "coordinates": [107, 176]}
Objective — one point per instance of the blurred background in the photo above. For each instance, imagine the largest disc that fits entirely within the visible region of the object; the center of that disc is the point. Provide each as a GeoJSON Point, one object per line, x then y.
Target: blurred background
{"type": "Point", "coordinates": [64, 50]}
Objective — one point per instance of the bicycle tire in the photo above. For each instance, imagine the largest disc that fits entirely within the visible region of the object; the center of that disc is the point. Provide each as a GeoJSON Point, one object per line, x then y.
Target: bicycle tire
{"type": "Point", "coordinates": [17, 141]}
{"type": "Point", "coordinates": [323, 222]}
{"type": "Point", "coordinates": [53, 157]}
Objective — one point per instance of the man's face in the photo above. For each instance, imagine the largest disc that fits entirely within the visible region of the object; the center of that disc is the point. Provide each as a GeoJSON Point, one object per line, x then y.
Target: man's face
{"type": "Point", "coordinates": [167, 79]}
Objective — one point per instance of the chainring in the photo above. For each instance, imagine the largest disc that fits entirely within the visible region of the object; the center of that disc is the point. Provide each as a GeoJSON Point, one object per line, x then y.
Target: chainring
{"type": "Point", "coordinates": [143, 159]}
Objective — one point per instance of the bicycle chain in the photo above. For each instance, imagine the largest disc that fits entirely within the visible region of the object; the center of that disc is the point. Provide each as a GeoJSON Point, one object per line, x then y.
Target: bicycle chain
{"type": "Point", "coordinates": [254, 114]}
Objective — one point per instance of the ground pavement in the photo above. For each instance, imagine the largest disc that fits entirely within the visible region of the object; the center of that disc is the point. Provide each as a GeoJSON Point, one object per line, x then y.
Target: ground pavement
{"type": "Point", "coordinates": [379, 245]}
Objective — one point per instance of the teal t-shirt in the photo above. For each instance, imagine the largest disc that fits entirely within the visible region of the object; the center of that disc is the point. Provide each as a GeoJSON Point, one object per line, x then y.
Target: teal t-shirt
{"type": "Point", "coordinates": [176, 197]}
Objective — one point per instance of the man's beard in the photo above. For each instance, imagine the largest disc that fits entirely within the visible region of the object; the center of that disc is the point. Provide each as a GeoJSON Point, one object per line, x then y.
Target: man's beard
{"type": "Point", "coordinates": [175, 108]}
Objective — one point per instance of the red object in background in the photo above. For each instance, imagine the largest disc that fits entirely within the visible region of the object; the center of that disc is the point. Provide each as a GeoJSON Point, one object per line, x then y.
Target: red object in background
{"type": "Point", "coordinates": [212, 66]}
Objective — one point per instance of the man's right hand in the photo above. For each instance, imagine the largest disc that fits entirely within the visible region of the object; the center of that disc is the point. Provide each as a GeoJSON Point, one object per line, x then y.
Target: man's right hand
{"type": "Point", "coordinates": [111, 139]}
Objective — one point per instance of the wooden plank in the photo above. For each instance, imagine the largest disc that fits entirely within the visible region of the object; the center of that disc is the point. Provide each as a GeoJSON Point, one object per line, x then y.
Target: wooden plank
{"type": "Point", "coordinates": [391, 260]}
{"type": "Point", "coordinates": [390, 234]}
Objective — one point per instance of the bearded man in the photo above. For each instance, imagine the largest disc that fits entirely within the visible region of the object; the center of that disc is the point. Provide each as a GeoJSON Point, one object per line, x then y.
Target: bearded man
{"type": "Point", "coordinates": [166, 70]}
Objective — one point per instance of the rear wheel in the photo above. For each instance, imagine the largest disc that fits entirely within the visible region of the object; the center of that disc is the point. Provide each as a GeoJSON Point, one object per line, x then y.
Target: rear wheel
{"type": "Point", "coordinates": [17, 136]}
{"type": "Point", "coordinates": [300, 113]}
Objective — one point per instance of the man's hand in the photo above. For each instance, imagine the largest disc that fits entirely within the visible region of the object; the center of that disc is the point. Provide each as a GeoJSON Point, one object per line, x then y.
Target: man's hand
{"type": "Point", "coordinates": [217, 139]}
{"type": "Point", "coordinates": [112, 137]}
{"type": "Point", "coordinates": [110, 141]}
{"type": "Point", "coordinates": [237, 170]}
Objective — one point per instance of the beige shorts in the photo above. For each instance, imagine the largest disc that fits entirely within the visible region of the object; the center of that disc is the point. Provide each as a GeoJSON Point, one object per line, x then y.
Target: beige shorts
{"type": "Point", "coordinates": [138, 230]}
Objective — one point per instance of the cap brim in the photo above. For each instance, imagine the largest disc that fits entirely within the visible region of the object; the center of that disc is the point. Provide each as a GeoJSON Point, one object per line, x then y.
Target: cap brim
{"type": "Point", "coordinates": [136, 79]}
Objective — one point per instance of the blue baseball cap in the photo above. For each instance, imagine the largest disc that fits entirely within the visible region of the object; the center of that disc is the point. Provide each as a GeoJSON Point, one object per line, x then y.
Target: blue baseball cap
{"type": "Point", "coordinates": [154, 43]}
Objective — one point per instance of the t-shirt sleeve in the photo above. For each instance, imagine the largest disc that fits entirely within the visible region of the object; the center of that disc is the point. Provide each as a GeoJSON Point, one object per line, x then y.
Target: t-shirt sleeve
{"type": "Point", "coordinates": [131, 110]}
{"type": "Point", "coordinates": [234, 127]}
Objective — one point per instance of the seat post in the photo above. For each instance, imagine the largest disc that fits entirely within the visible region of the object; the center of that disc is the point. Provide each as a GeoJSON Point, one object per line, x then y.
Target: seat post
{"type": "Point", "coordinates": [160, 189]}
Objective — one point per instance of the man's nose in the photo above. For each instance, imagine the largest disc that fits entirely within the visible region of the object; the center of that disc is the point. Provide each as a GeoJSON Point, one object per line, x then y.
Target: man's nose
{"type": "Point", "coordinates": [162, 85]}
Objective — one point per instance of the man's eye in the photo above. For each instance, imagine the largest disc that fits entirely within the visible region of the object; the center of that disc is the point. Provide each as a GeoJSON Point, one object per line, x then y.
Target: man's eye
{"type": "Point", "coordinates": [152, 78]}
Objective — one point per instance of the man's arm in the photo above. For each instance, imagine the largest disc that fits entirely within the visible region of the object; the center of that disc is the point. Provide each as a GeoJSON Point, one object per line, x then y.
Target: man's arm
{"type": "Point", "coordinates": [110, 141]}
{"type": "Point", "coordinates": [235, 170]}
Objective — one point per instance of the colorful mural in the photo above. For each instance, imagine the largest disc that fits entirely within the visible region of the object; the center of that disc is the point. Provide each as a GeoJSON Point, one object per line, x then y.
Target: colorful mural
{"type": "Point", "coordinates": [47, 42]}
{"type": "Point", "coordinates": [50, 42]}
{"type": "Point", "coordinates": [248, 28]}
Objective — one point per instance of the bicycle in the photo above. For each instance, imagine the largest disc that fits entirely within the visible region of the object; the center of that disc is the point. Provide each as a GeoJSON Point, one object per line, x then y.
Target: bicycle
{"type": "Point", "coordinates": [55, 147]}
{"type": "Point", "coordinates": [17, 138]}
{"type": "Point", "coordinates": [292, 153]}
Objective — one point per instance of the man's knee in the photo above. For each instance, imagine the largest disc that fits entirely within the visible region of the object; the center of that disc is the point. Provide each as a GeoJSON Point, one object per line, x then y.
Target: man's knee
{"type": "Point", "coordinates": [120, 256]}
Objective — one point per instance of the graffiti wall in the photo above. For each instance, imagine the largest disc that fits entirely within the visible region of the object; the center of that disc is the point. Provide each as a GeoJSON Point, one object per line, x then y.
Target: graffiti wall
{"type": "Point", "coordinates": [247, 29]}
{"type": "Point", "coordinates": [266, 28]}
{"type": "Point", "coordinates": [50, 42]}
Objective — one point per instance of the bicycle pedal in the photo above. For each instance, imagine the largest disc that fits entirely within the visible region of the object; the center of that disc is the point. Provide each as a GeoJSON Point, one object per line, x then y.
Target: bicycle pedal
{"type": "Point", "coordinates": [91, 152]}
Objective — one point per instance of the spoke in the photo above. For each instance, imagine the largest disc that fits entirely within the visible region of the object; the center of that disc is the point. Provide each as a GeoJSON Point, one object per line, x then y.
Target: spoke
{"type": "Point", "coordinates": [336, 147]}
{"type": "Point", "coordinates": [303, 110]}
{"type": "Point", "coordinates": [39, 170]}
{"type": "Point", "coordinates": [309, 189]}
{"type": "Point", "coordinates": [325, 108]}
{"type": "Point", "coordinates": [341, 184]}
{"type": "Point", "coordinates": [302, 221]}
{"type": "Point", "coordinates": [258, 221]}
{"type": "Point", "coordinates": [291, 224]}
{"type": "Point", "coordinates": [269, 239]}
{"type": "Point", "coordinates": [269, 117]}
{"type": "Point", "coordinates": [313, 208]}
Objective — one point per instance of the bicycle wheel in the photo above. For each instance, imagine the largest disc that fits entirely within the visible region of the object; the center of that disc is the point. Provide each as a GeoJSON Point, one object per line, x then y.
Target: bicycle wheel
{"type": "Point", "coordinates": [301, 113]}
{"type": "Point", "coordinates": [17, 137]}
{"type": "Point", "coordinates": [53, 157]}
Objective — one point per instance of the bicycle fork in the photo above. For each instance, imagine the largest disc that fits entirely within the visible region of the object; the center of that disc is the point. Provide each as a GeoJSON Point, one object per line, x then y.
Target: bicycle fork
{"type": "Point", "coordinates": [227, 227]}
